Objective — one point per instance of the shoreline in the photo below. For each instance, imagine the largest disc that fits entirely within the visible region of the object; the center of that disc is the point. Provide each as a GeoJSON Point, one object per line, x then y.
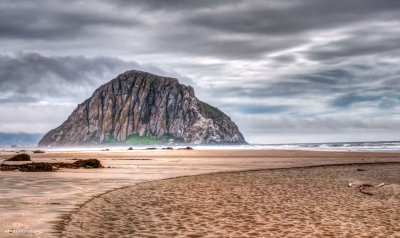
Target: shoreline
{"type": "Point", "coordinates": [129, 169]}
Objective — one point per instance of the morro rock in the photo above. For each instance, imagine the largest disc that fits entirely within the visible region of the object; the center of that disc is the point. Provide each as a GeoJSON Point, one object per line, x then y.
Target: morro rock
{"type": "Point", "coordinates": [140, 107]}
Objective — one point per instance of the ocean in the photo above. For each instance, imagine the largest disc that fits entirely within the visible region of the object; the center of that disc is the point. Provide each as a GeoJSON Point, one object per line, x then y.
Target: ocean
{"type": "Point", "coordinates": [375, 146]}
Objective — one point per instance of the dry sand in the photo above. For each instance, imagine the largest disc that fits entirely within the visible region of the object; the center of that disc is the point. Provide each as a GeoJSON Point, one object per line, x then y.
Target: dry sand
{"type": "Point", "coordinates": [301, 202]}
{"type": "Point", "coordinates": [41, 201]}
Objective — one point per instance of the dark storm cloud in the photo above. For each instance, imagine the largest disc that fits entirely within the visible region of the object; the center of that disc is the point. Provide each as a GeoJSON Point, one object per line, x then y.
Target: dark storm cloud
{"type": "Point", "coordinates": [203, 42]}
{"type": "Point", "coordinates": [252, 29]}
{"type": "Point", "coordinates": [55, 76]}
{"type": "Point", "coordinates": [360, 44]}
{"type": "Point", "coordinates": [33, 77]}
{"type": "Point", "coordinates": [222, 29]}
{"type": "Point", "coordinates": [295, 16]}
{"type": "Point", "coordinates": [284, 58]}
{"type": "Point", "coordinates": [275, 26]}
{"type": "Point", "coordinates": [44, 19]}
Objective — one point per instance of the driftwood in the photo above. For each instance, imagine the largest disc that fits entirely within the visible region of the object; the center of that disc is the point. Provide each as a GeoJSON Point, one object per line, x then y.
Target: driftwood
{"type": "Point", "coordinates": [363, 187]}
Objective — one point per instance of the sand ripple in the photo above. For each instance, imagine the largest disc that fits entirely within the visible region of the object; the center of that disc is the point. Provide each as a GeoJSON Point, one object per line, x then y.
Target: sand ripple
{"type": "Point", "coordinates": [302, 202]}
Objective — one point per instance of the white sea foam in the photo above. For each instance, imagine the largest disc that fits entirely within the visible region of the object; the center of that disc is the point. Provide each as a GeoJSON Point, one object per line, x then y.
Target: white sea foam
{"type": "Point", "coordinates": [379, 146]}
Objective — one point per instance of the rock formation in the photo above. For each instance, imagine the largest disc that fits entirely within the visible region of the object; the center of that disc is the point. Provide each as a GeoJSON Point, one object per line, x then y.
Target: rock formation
{"type": "Point", "coordinates": [140, 107]}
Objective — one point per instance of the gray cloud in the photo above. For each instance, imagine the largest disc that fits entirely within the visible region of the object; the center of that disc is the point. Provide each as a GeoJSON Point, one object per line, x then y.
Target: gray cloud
{"type": "Point", "coordinates": [360, 44]}
{"type": "Point", "coordinates": [46, 19]}
{"type": "Point", "coordinates": [175, 4]}
{"type": "Point", "coordinates": [321, 129]}
{"type": "Point", "coordinates": [35, 74]}
{"type": "Point", "coordinates": [321, 124]}
{"type": "Point", "coordinates": [348, 99]}
{"type": "Point", "coordinates": [256, 108]}
{"type": "Point", "coordinates": [34, 77]}
{"type": "Point", "coordinates": [295, 17]}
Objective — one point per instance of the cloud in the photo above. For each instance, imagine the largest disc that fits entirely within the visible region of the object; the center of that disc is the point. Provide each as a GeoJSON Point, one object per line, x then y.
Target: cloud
{"type": "Point", "coordinates": [302, 60]}
{"type": "Point", "coordinates": [360, 43]}
{"type": "Point", "coordinates": [24, 76]}
{"type": "Point", "coordinates": [319, 129]}
{"type": "Point", "coordinates": [349, 99]}
{"type": "Point", "coordinates": [255, 108]}
{"type": "Point", "coordinates": [258, 17]}
{"type": "Point", "coordinates": [45, 19]}
{"type": "Point", "coordinates": [320, 124]}
{"type": "Point", "coordinates": [32, 118]}
{"type": "Point", "coordinates": [175, 4]}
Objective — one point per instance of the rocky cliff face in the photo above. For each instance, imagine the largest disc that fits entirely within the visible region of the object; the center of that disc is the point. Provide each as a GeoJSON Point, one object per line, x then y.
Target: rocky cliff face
{"type": "Point", "coordinates": [139, 105]}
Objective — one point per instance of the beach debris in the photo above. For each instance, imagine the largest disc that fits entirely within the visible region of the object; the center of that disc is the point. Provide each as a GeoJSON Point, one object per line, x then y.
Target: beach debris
{"type": "Point", "coordinates": [186, 148]}
{"type": "Point", "coordinates": [130, 148]}
{"type": "Point", "coordinates": [168, 148]}
{"type": "Point", "coordinates": [363, 187]}
{"type": "Point", "coordinates": [31, 167]}
{"type": "Point", "coordinates": [47, 167]}
{"type": "Point", "coordinates": [20, 157]}
{"type": "Point", "coordinates": [88, 163]}
{"type": "Point", "coordinates": [350, 184]}
{"type": "Point", "coordinates": [38, 151]}
{"type": "Point", "coordinates": [360, 170]}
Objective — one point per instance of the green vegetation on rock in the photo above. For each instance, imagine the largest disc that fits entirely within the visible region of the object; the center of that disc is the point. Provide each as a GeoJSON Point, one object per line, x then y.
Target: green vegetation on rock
{"type": "Point", "coordinates": [87, 101]}
{"type": "Point", "coordinates": [212, 112]}
{"type": "Point", "coordinates": [135, 139]}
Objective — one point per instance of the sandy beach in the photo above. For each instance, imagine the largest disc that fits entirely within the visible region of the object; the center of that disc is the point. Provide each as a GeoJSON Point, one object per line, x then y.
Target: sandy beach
{"type": "Point", "coordinates": [301, 202]}
{"type": "Point", "coordinates": [313, 201]}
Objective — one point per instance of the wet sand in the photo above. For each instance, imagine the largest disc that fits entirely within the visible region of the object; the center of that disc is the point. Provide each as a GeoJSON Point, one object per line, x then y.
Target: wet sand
{"type": "Point", "coordinates": [41, 201]}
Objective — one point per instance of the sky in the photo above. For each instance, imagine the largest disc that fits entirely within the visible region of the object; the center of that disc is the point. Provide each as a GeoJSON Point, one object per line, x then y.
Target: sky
{"type": "Point", "coordinates": [284, 71]}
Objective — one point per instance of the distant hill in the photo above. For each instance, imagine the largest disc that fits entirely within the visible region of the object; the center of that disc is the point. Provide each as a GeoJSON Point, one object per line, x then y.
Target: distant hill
{"type": "Point", "coordinates": [19, 139]}
{"type": "Point", "coordinates": [139, 107]}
